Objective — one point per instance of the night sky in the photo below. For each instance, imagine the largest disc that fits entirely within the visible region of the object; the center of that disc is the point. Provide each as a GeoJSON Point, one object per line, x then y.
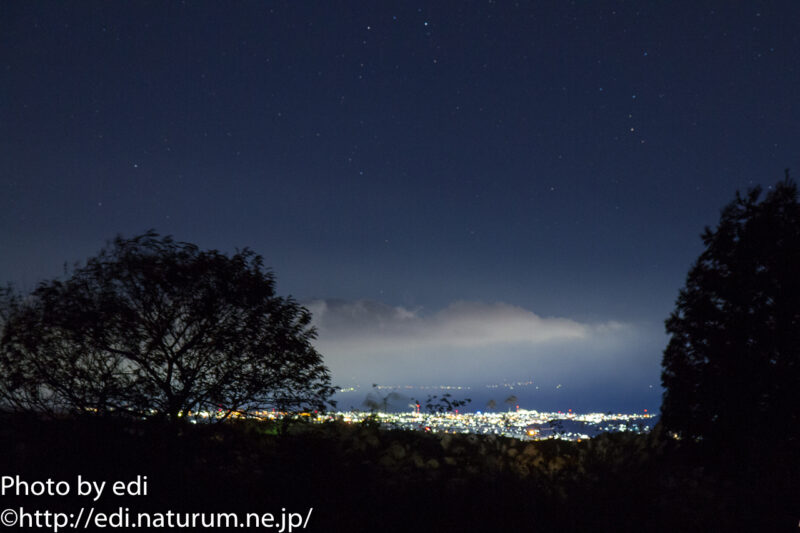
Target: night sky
{"type": "Point", "coordinates": [461, 192]}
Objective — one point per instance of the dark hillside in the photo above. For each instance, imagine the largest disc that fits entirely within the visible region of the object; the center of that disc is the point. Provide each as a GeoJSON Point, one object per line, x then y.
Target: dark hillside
{"type": "Point", "coordinates": [360, 478]}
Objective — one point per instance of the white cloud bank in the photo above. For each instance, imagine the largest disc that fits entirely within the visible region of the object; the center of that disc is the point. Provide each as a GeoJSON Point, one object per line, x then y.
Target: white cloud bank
{"type": "Point", "coordinates": [467, 341]}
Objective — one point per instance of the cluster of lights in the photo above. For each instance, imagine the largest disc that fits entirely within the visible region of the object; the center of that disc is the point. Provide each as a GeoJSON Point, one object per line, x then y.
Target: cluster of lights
{"type": "Point", "coordinates": [521, 423]}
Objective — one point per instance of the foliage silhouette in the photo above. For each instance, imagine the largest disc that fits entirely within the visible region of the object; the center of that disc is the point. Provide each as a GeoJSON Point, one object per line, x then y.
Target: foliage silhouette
{"type": "Point", "coordinates": [444, 404]}
{"type": "Point", "coordinates": [376, 402]}
{"type": "Point", "coordinates": [7, 302]}
{"type": "Point", "coordinates": [732, 365]}
{"type": "Point", "coordinates": [511, 401]}
{"type": "Point", "coordinates": [152, 326]}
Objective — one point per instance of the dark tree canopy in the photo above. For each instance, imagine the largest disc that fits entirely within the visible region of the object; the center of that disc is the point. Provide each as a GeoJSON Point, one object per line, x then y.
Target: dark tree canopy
{"type": "Point", "coordinates": [156, 327]}
{"type": "Point", "coordinates": [731, 370]}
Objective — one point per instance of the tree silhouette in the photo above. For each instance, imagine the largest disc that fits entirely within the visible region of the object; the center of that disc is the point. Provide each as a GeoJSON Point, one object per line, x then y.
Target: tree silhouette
{"type": "Point", "coordinates": [444, 404]}
{"type": "Point", "coordinates": [151, 326]}
{"type": "Point", "coordinates": [377, 402]}
{"type": "Point", "coordinates": [732, 366]}
{"type": "Point", "coordinates": [491, 405]}
{"type": "Point", "coordinates": [511, 401]}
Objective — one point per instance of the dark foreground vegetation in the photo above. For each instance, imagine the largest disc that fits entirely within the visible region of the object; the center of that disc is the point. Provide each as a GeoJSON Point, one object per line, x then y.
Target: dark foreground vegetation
{"type": "Point", "coordinates": [362, 478]}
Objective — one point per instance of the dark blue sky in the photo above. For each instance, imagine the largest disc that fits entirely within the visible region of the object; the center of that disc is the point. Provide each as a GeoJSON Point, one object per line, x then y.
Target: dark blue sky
{"type": "Point", "coordinates": [403, 166]}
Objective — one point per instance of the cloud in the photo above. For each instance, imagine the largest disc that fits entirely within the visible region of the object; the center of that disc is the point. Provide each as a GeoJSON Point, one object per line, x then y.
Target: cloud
{"type": "Point", "coordinates": [466, 341]}
{"type": "Point", "coordinates": [460, 325]}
